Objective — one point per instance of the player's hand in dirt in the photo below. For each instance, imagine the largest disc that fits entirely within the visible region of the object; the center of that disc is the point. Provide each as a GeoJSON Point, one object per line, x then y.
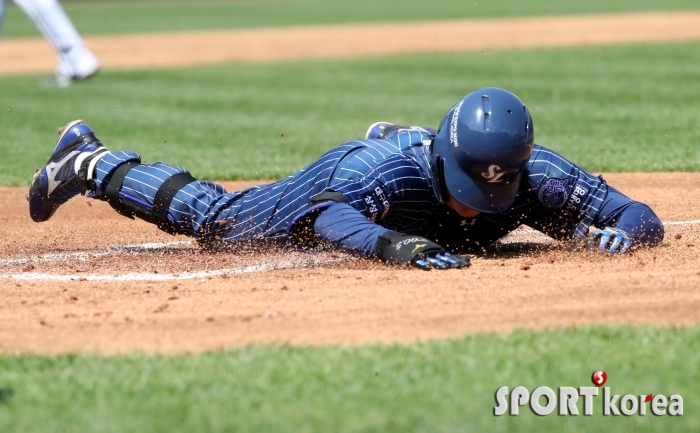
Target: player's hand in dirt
{"type": "Point", "coordinates": [608, 240]}
{"type": "Point", "coordinates": [612, 240]}
{"type": "Point", "coordinates": [441, 261]}
{"type": "Point", "coordinates": [395, 247]}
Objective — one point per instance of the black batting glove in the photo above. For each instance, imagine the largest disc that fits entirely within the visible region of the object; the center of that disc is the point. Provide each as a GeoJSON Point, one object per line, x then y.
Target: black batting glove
{"type": "Point", "coordinates": [395, 247]}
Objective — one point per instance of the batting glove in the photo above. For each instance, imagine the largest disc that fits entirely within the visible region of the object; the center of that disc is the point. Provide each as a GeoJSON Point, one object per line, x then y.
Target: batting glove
{"type": "Point", "coordinates": [612, 240]}
{"type": "Point", "coordinates": [417, 251]}
{"type": "Point", "coordinates": [441, 261]}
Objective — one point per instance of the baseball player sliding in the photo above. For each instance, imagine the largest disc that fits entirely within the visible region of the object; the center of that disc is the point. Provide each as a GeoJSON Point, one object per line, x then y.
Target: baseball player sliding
{"type": "Point", "coordinates": [75, 61]}
{"type": "Point", "coordinates": [408, 195]}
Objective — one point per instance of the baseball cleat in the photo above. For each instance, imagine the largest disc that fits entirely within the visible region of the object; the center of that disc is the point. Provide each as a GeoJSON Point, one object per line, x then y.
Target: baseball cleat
{"type": "Point", "coordinates": [376, 129]}
{"type": "Point", "coordinates": [58, 182]}
{"type": "Point", "coordinates": [380, 130]}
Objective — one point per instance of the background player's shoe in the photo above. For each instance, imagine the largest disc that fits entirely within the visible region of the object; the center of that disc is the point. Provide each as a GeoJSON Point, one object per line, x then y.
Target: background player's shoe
{"type": "Point", "coordinates": [61, 80]}
{"type": "Point", "coordinates": [375, 129]}
{"type": "Point", "coordinates": [58, 181]}
{"type": "Point", "coordinates": [73, 67]}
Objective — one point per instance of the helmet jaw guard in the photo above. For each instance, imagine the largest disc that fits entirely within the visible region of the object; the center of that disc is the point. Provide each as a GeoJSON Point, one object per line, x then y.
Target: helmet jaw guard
{"type": "Point", "coordinates": [481, 148]}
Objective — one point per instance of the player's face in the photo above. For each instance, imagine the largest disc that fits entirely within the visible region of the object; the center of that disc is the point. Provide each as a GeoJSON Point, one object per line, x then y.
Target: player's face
{"type": "Point", "coordinates": [462, 210]}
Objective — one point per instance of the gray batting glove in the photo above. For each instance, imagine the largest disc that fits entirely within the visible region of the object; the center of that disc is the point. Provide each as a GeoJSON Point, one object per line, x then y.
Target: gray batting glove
{"type": "Point", "coordinates": [612, 240]}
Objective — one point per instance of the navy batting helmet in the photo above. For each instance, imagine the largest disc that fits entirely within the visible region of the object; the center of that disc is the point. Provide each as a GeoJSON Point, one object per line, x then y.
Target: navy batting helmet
{"type": "Point", "coordinates": [481, 148]}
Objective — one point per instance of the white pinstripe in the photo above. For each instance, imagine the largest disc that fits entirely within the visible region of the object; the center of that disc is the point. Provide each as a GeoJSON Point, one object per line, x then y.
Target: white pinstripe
{"type": "Point", "coordinates": [397, 166]}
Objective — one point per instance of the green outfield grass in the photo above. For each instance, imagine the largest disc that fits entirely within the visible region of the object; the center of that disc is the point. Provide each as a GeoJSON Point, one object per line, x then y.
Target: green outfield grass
{"type": "Point", "coordinates": [609, 109]}
{"type": "Point", "coordinates": [151, 16]}
{"type": "Point", "coordinates": [445, 386]}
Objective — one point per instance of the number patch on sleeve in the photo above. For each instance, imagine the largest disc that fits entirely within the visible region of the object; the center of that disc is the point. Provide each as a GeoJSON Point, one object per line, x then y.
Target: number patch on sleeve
{"type": "Point", "coordinates": [377, 204]}
{"type": "Point", "coordinates": [575, 200]}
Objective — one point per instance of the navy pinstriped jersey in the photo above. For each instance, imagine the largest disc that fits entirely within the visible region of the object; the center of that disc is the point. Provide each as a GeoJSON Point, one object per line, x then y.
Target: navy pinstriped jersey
{"type": "Point", "coordinates": [387, 182]}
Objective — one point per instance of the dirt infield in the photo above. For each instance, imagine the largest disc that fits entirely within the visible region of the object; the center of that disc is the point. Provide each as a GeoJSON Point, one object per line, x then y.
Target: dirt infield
{"type": "Point", "coordinates": [90, 280]}
{"type": "Point", "coordinates": [166, 50]}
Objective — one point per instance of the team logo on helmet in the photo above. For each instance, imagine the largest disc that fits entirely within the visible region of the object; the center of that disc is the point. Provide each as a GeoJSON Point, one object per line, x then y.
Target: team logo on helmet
{"type": "Point", "coordinates": [453, 124]}
{"type": "Point", "coordinates": [494, 174]}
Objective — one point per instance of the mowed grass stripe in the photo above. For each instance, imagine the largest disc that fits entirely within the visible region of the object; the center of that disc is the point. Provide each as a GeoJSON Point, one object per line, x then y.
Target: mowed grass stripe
{"type": "Point", "coordinates": [609, 109]}
{"type": "Point", "coordinates": [440, 386]}
{"type": "Point", "coordinates": [105, 16]}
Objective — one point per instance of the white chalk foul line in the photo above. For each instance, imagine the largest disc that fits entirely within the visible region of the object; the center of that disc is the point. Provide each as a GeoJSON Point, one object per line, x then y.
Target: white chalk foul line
{"type": "Point", "coordinates": [670, 223]}
{"type": "Point", "coordinates": [153, 247]}
{"type": "Point", "coordinates": [682, 223]}
{"type": "Point", "coordinates": [148, 276]}
{"type": "Point", "coordinates": [83, 255]}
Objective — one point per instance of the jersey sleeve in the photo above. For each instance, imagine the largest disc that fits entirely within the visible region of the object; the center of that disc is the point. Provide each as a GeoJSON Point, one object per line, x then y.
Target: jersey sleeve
{"type": "Point", "coordinates": [363, 199]}
{"type": "Point", "coordinates": [395, 184]}
{"type": "Point", "coordinates": [396, 187]}
{"type": "Point", "coordinates": [635, 218]}
{"type": "Point", "coordinates": [348, 230]}
{"type": "Point", "coordinates": [569, 200]}
{"type": "Point", "coordinates": [565, 199]}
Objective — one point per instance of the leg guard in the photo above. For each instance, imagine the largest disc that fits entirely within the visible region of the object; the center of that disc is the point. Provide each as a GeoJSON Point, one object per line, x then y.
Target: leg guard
{"type": "Point", "coordinates": [155, 211]}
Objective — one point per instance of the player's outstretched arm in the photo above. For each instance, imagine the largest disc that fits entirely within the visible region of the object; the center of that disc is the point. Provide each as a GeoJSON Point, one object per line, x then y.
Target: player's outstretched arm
{"type": "Point", "coordinates": [624, 223]}
{"type": "Point", "coordinates": [347, 229]}
{"type": "Point", "coordinates": [574, 200]}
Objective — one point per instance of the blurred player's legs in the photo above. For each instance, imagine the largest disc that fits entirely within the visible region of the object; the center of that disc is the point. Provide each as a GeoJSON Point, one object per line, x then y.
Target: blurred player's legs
{"type": "Point", "coordinates": [75, 61]}
{"type": "Point", "coordinates": [3, 6]}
